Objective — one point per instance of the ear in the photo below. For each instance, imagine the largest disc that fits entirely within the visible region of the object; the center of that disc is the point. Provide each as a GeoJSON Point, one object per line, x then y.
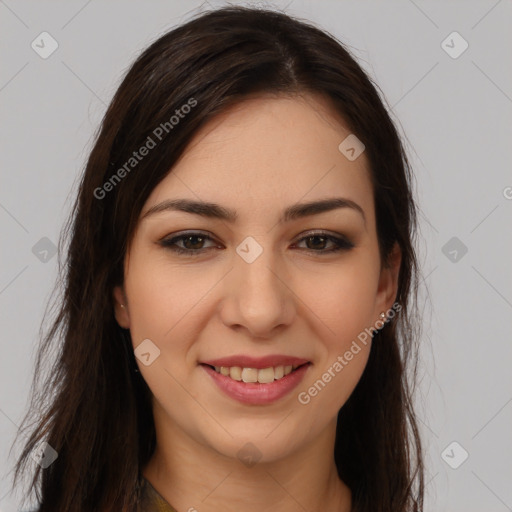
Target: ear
{"type": "Point", "coordinates": [121, 307]}
{"type": "Point", "coordinates": [388, 281]}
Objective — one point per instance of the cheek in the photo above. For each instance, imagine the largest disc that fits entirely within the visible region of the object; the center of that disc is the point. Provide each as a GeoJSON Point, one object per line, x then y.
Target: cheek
{"type": "Point", "coordinates": [343, 298]}
{"type": "Point", "coordinates": [163, 297]}
{"type": "Point", "coordinates": [163, 307]}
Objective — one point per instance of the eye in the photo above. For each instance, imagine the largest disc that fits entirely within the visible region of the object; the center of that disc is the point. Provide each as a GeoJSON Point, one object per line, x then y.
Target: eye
{"type": "Point", "coordinates": [317, 241]}
{"type": "Point", "coordinates": [192, 243]}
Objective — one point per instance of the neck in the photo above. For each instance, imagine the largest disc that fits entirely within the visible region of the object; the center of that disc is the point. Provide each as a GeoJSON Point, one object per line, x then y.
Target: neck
{"type": "Point", "coordinates": [191, 476]}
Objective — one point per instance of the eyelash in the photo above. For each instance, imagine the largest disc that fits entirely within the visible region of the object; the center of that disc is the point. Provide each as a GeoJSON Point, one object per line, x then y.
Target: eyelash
{"type": "Point", "coordinates": [341, 244]}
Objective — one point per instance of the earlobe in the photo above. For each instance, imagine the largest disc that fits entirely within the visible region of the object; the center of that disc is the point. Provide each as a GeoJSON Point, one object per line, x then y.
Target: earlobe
{"type": "Point", "coordinates": [121, 308]}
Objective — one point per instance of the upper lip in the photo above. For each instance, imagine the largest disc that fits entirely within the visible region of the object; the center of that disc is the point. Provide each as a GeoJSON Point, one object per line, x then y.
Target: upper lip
{"type": "Point", "coordinates": [257, 362]}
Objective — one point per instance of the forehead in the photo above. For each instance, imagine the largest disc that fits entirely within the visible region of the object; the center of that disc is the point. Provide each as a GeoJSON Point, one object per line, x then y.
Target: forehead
{"type": "Point", "coordinates": [266, 153]}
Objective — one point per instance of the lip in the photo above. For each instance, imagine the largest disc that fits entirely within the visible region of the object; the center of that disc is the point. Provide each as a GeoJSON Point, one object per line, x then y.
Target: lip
{"type": "Point", "coordinates": [257, 362]}
{"type": "Point", "coordinates": [255, 393]}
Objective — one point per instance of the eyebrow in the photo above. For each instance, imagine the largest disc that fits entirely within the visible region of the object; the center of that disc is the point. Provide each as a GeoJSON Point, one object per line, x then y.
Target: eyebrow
{"type": "Point", "coordinates": [213, 210]}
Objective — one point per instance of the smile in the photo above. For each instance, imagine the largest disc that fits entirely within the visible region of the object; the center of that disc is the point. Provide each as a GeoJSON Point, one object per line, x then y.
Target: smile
{"type": "Point", "coordinates": [257, 386]}
{"type": "Point", "coordinates": [263, 376]}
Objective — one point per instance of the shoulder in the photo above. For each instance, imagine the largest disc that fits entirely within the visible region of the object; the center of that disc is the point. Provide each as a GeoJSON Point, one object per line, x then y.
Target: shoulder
{"type": "Point", "coordinates": [151, 500]}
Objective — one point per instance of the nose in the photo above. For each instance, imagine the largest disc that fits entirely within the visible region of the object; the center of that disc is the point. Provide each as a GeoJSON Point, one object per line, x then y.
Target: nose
{"type": "Point", "coordinates": [257, 297]}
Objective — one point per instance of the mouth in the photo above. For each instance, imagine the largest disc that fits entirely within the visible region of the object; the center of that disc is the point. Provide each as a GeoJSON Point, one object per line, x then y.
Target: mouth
{"type": "Point", "coordinates": [255, 375]}
{"type": "Point", "coordinates": [259, 385]}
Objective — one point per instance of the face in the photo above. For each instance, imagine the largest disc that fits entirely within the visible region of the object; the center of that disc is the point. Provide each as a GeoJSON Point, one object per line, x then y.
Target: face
{"type": "Point", "coordinates": [254, 290]}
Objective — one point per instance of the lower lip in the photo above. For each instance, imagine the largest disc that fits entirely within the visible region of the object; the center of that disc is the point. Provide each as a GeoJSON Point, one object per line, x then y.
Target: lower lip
{"type": "Point", "coordinates": [255, 393]}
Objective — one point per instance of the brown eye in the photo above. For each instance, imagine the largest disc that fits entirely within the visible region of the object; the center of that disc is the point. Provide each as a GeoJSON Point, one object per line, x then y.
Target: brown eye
{"type": "Point", "coordinates": [317, 243]}
{"type": "Point", "coordinates": [191, 243]}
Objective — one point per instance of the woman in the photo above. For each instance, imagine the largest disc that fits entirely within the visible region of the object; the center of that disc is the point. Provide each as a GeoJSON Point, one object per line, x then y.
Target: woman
{"type": "Point", "coordinates": [238, 311]}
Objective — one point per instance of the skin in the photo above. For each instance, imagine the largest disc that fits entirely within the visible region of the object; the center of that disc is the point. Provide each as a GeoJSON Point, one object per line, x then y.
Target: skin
{"type": "Point", "coordinates": [257, 158]}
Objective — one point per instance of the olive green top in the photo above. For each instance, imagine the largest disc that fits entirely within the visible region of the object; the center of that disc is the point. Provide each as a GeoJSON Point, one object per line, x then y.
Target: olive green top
{"type": "Point", "coordinates": [151, 500]}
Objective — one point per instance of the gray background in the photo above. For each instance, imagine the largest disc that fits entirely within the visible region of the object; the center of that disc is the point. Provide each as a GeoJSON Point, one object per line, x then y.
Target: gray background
{"type": "Point", "coordinates": [456, 114]}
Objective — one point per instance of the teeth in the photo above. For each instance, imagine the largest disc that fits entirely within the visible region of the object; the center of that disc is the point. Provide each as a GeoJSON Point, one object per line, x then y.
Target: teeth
{"type": "Point", "coordinates": [250, 375]}
{"type": "Point", "coordinates": [266, 375]}
{"type": "Point", "coordinates": [263, 376]}
{"type": "Point", "coordinates": [235, 373]}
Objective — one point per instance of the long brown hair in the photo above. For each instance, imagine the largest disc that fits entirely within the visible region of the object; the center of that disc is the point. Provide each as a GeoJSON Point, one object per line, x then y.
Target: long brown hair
{"type": "Point", "coordinates": [99, 416]}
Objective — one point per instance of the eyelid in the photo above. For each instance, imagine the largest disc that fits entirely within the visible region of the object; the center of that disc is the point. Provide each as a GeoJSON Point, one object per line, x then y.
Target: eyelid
{"type": "Point", "coordinates": [167, 240]}
{"type": "Point", "coordinates": [188, 232]}
{"type": "Point", "coordinates": [321, 232]}
{"type": "Point", "coordinates": [341, 242]}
